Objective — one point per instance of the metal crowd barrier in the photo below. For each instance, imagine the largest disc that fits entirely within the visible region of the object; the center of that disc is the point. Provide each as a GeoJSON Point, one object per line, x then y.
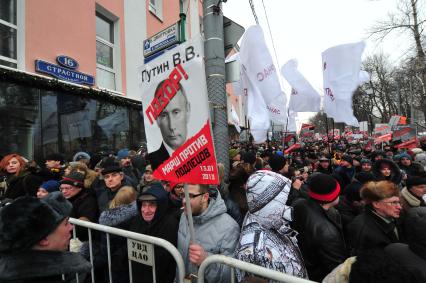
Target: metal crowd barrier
{"type": "Point", "coordinates": [143, 248]}
{"type": "Point", "coordinates": [249, 267]}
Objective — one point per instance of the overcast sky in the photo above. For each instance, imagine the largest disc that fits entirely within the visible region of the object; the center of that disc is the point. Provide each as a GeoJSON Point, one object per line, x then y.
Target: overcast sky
{"type": "Point", "coordinates": [302, 29]}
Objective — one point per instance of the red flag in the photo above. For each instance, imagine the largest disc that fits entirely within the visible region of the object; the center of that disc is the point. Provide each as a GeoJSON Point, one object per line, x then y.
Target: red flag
{"type": "Point", "coordinates": [412, 143]}
{"type": "Point", "coordinates": [293, 147]}
{"type": "Point", "coordinates": [383, 138]}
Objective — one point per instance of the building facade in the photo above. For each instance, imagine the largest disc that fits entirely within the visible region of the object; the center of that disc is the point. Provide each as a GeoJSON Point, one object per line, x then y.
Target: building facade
{"type": "Point", "coordinates": [68, 72]}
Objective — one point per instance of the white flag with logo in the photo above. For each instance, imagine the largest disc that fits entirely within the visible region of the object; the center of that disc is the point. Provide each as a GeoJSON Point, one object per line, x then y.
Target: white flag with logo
{"type": "Point", "coordinates": [341, 76]}
{"type": "Point", "coordinates": [304, 98]}
{"type": "Point", "coordinates": [257, 64]}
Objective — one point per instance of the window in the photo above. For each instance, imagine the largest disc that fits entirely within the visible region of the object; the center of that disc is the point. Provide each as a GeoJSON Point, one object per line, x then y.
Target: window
{"type": "Point", "coordinates": [156, 7]}
{"type": "Point", "coordinates": [105, 53]}
{"type": "Point", "coordinates": [8, 33]}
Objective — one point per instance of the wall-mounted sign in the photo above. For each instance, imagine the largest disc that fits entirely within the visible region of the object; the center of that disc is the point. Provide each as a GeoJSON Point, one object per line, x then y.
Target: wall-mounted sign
{"type": "Point", "coordinates": [64, 72]}
{"type": "Point", "coordinates": [161, 40]}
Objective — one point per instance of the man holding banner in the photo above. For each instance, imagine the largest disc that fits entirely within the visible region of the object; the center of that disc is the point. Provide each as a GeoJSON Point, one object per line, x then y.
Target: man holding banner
{"type": "Point", "coordinates": [215, 233]}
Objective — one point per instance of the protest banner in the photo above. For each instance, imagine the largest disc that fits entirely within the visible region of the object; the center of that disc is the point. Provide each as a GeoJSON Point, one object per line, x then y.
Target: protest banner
{"type": "Point", "coordinates": [404, 133]}
{"type": "Point", "coordinates": [176, 116]}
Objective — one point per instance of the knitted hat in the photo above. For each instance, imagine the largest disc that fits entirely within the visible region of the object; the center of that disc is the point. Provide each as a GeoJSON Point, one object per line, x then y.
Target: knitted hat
{"type": "Point", "coordinates": [81, 155]}
{"type": "Point", "coordinates": [323, 187]}
{"type": "Point", "coordinates": [122, 153]}
{"type": "Point", "coordinates": [28, 220]}
{"type": "Point", "coordinates": [233, 152]}
{"type": "Point", "coordinates": [50, 186]}
{"type": "Point", "coordinates": [75, 179]}
{"type": "Point", "coordinates": [148, 168]}
{"type": "Point", "coordinates": [55, 157]}
{"type": "Point", "coordinates": [405, 155]}
{"type": "Point", "coordinates": [276, 162]}
{"type": "Point", "coordinates": [366, 160]}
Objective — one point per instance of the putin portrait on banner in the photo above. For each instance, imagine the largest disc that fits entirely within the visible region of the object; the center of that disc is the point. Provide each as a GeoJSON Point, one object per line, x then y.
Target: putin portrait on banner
{"type": "Point", "coordinates": [173, 124]}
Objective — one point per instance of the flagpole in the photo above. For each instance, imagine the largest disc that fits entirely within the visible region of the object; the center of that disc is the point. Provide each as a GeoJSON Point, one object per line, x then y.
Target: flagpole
{"type": "Point", "coordinates": [328, 142]}
{"type": "Point", "coordinates": [285, 133]}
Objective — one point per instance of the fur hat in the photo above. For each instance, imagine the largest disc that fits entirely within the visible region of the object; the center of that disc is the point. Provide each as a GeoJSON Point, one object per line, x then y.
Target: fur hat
{"type": "Point", "coordinates": [27, 220]}
{"type": "Point", "coordinates": [416, 180]}
{"type": "Point", "coordinates": [323, 188]}
{"type": "Point", "coordinates": [50, 186]}
{"type": "Point", "coordinates": [75, 179]}
{"type": "Point", "coordinates": [81, 155]}
{"type": "Point", "coordinates": [111, 166]}
{"type": "Point", "coordinates": [55, 157]}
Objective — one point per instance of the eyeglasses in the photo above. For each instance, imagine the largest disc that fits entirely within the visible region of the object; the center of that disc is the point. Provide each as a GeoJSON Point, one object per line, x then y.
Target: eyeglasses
{"type": "Point", "coordinates": [393, 203]}
{"type": "Point", "coordinates": [191, 196]}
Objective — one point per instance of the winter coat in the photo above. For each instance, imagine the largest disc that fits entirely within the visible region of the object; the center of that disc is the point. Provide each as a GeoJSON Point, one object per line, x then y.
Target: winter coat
{"type": "Point", "coordinates": [84, 204]}
{"type": "Point", "coordinates": [164, 226]}
{"type": "Point", "coordinates": [408, 259]}
{"type": "Point", "coordinates": [395, 177]}
{"type": "Point", "coordinates": [104, 195]}
{"type": "Point", "coordinates": [115, 217]}
{"type": "Point", "coordinates": [231, 206]}
{"type": "Point", "coordinates": [344, 176]}
{"type": "Point", "coordinates": [266, 238]}
{"type": "Point", "coordinates": [347, 211]}
{"type": "Point", "coordinates": [413, 255]}
{"type": "Point", "coordinates": [42, 266]}
{"type": "Point", "coordinates": [320, 238]}
{"type": "Point", "coordinates": [413, 170]}
{"type": "Point", "coordinates": [369, 231]}
{"type": "Point", "coordinates": [25, 184]}
{"type": "Point", "coordinates": [216, 232]}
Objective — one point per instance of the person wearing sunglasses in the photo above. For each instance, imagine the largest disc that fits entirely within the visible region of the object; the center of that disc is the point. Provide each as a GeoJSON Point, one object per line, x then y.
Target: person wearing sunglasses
{"type": "Point", "coordinates": [377, 226]}
{"type": "Point", "coordinates": [215, 233]}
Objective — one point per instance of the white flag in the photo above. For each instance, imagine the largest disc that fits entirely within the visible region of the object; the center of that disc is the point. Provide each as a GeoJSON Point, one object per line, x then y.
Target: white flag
{"type": "Point", "coordinates": [304, 98]}
{"type": "Point", "coordinates": [341, 75]}
{"type": "Point", "coordinates": [364, 77]}
{"type": "Point", "coordinates": [259, 68]}
{"type": "Point", "coordinates": [234, 119]}
{"type": "Point", "coordinates": [256, 110]}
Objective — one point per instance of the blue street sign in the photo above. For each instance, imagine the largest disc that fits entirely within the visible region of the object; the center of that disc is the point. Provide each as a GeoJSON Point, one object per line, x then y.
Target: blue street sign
{"type": "Point", "coordinates": [64, 73]}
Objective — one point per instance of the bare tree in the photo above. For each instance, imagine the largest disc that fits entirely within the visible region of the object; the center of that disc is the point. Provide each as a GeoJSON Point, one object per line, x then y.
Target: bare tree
{"type": "Point", "coordinates": [409, 20]}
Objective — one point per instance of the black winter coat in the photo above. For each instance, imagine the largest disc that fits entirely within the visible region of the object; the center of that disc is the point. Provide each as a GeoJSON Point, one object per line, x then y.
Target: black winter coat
{"type": "Point", "coordinates": [164, 226]}
{"type": "Point", "coordinates": [408, 259]}
{"type": "Point", "coordinates": [42, 267]}
{"type": "Point", "coordinates": [25, 184]}
{"type": "Point", "coordinates": [320, 238]}
{"type": "Point", "coordinates": [369, 231]}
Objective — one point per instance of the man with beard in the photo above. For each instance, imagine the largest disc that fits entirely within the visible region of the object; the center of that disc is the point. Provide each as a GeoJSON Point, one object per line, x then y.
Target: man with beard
{"type": "Point", "coordinates": [215, 233]}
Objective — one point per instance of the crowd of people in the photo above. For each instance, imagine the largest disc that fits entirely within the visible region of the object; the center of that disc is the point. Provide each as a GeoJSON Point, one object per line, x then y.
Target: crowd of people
{"type": "Point", "coordinates": [335, 212]}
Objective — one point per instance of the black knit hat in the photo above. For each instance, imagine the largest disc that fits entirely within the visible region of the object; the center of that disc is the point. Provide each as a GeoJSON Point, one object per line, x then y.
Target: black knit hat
{"type": "Point", "coordinates": [323, 188]}
{"type": "Point", "coordinates": [276, 162]}
{"type": "Point", "coordinates": [75, 179]}
{"type": "Point", "coordinates": [27, 220]}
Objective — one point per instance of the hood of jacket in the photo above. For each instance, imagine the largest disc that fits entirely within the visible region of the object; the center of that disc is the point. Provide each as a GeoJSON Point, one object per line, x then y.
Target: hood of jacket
{"type": "Point", "coordinates": [267, 194]}
{"type": "Point", "coordinates": [117, 215]}
{"type": "Point", "coordinates": [162, 201]}
{"type": "Point", "coordinates": [395, 176]}
{"type": "Point", "coordinates": [216, 207]}
{"type": "Point", "coordinates": [38, 264]}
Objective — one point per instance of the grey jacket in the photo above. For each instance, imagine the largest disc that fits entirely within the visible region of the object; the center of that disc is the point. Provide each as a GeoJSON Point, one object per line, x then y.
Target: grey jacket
{"type": "Point", "coordinates": [216, 232]}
